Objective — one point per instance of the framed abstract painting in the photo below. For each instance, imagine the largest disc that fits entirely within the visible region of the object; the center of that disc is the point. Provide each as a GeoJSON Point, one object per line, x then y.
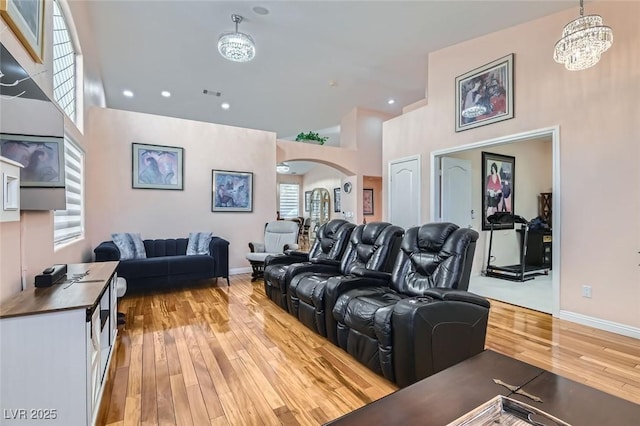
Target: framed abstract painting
{"type": "Point", "coordinates": [157, 167]}
{"type": "Point", "coordinates": [231, 191]}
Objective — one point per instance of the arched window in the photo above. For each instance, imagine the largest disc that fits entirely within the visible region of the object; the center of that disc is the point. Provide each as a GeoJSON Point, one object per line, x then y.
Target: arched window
{"type": "Point", "coordinates": [64, 64]}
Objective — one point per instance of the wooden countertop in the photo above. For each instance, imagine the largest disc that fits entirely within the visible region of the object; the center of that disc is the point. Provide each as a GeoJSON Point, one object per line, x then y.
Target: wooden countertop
{"type": "Point", "coordinates": [84, 284]}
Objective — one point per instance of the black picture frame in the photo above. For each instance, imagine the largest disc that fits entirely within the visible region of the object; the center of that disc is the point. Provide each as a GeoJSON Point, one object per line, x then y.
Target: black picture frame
{"type": "Point", "coordinates": [498, 187]}
{"type": "Point", "coordinates": [231, 191]}
{"type": "Point", "coordinates": [367, 202]}
{"type": "Point", "coordinates": [337, 205]}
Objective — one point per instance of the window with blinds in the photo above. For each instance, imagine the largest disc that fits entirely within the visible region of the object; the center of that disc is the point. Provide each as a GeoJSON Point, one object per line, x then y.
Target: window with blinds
{"type": "Point", "coordinates": [289, 200]}
{"type": "Point", "coordinates": [68, 225]}
{"type": "Point", "coordinates": [64, 64]}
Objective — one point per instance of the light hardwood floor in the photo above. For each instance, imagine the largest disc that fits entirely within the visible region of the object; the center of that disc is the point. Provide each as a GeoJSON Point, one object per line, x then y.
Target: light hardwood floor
{"type": "Point", "coordinates": [212, 354]}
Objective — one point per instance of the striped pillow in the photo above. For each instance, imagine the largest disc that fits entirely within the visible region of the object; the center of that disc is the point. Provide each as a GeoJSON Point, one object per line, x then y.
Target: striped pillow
{"type": "Point", "coordinates": [130, 246]}
{"type": "Point", "coordinates": [199, 243]}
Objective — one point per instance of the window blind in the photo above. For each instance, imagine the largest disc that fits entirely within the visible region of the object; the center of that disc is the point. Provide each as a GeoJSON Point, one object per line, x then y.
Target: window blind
{"type": "Point", "coordinates": [64, 64]}
{"type": "Point", "coordinates": [289, 200]}
{"type": "Point", "coordinates": [69, 223]}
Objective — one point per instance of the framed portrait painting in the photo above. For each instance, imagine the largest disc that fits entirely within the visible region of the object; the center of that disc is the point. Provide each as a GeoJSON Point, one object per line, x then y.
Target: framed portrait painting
{"type": "Point", "coordinates": [26, 19]}
{"type": "Point", "coordinates": [157, 167]}
{"type": "Point", "coordinates": [231, 191]}
{"type": "Point", "coordinates": [367, 201]}
{"type": "Point", "coordinates": [485, 95]}
{"type": "Point", "coordinates": [41, 156]}
{"type": "Point", "coordinates": [498, 187]}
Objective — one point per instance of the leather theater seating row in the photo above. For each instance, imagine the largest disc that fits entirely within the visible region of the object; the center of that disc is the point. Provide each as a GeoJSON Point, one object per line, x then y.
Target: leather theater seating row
{"type": "Point", "coordinates": [394, 300]}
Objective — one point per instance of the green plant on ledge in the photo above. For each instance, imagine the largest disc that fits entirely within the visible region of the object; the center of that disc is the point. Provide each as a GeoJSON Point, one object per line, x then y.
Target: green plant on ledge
{"type": "Point", "coordinates": [311, 136]}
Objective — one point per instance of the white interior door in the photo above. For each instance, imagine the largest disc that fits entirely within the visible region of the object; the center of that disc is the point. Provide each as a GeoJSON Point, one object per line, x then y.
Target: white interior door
{"type": "Point", "coordinates": [455, 191]}
{"type": "Point", "coordinates": [404, 192]}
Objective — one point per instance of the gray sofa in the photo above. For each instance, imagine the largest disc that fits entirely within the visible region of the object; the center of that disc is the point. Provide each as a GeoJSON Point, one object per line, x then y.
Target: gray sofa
{"type": "Point", "coordinates": [167, 263]}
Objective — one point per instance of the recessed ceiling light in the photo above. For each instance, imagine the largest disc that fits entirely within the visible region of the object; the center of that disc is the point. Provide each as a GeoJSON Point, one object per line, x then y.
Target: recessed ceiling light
{"type": "Point", "coordinates": [391, 101]}
{"type": "Point", "coordinates": [128, 93]}
{"type": "Point", "coordinates": [225, 105]}
{"type": "Point", "coordinates": [166, 93]}
{"type": "Point", "coordinates": [259, 10]}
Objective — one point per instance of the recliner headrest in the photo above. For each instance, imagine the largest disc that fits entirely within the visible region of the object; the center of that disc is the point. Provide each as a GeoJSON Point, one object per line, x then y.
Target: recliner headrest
{"type": "Point", "coordinates": [430, 237]}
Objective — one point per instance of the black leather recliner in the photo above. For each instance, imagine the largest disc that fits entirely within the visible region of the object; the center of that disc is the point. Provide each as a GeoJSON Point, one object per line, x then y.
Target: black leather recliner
{"type": "Point", "coordinates": [419, 319]}
{"type": "Point", "coordinates": [372, 248]}
{"type": "Point", "coordinates": [329, 245]}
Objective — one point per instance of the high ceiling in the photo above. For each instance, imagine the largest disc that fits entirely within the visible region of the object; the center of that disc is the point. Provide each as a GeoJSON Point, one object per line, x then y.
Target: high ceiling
{"type": "Point", "coordinates": [315, 60]}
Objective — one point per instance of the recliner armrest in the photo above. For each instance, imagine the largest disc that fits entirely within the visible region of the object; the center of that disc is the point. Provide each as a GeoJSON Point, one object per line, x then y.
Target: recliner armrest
{"type": "Point", "coordinates": [457, 295]}
{"type": "Point", "coordinates": [322, 261]}
{"type": "Point", "coordinates": [290, 257]}
{"type": "Point", "coordinates": [256, 247]}
{"type": "Point", "coordinates": [297, 253]}
{"type": "Point", "coordinates": [368, 273]}
{"type": "Point", "coordinates": [291, 246]}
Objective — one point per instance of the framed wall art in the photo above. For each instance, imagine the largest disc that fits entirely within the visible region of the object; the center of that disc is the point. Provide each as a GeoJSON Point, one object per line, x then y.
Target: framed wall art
{"type": "Point", "coordinates": [367, 201]}
{"type": "Point", "coordinates": [337, 192]}
{"type": "Point", "coordinates": [485, 95]}
{"type": "Point", "coordinates": [231, 191]}
{"type": "Point", "coordinates": [41, 156]}
{"type": "Point", "coordinates": [498, 187]}
{"type": "Point", "coordinates": [26, 19]}
{"type": "Point", "coordinates": [157, 167]}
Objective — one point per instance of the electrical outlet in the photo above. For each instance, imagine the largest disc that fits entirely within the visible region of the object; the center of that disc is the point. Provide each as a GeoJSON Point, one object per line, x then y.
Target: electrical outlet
{"type": "Point", "coordinates": [586, 291]}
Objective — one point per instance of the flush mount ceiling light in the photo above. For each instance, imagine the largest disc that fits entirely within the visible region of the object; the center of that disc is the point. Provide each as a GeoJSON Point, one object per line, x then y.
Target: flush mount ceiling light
{"type": "Point", "coordinates": [236, 46]}
{"type": "Point", "coordinates": [282, 168]}
{"type": "Point", "coordinates": [583, 41]}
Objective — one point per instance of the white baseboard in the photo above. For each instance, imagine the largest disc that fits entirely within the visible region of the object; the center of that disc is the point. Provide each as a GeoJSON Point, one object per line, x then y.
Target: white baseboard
{"type": "Point", "coordinates": [614, 327]}
{"type": "Point", "coordinates": [236, 271]}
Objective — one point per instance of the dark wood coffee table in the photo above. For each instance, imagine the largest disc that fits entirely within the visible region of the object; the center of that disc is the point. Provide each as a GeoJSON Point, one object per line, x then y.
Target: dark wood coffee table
{"type": "Point", "coordinates": [444, 397]}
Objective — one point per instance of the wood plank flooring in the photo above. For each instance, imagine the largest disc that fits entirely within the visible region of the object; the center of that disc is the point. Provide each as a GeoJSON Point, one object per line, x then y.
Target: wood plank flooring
{"type": "Point", "coordinates": [218, 355]}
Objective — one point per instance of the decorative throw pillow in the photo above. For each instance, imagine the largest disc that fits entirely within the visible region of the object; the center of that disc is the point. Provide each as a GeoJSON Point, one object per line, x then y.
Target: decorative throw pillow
{"type": "Point", "coordinates": [130, 246]}
{"type": "Point", "coordinates": [199, 243]}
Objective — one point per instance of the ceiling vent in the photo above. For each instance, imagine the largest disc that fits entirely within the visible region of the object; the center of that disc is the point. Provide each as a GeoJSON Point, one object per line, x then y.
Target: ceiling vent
{"type": "Point", "coordinates": [211, 92]}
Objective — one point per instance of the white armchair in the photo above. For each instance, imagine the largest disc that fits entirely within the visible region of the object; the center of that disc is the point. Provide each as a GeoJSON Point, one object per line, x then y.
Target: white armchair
{"type": "Point", "coordinates": [279, 236]}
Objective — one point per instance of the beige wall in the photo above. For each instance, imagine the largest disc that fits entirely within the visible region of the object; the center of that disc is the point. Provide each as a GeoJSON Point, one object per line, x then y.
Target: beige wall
{"type": "Point", "coordinates": [596, 111]}
{"type": "Point", "coordinates": [113, 206]}
{"type": "Point", "coordinates": [533, 175]}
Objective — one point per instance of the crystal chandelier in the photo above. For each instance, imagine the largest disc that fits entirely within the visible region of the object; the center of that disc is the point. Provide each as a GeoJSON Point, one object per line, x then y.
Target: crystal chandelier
{"type": "Point", "coordinates": [583, 41]}
{"type": "Point", "coordinates": [236, 46]}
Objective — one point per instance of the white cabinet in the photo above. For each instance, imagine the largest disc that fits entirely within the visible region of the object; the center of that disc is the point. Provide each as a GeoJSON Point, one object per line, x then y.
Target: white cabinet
{"type": "Point", "coordinates": [10, 192]}
{"type": "Point", "coordinates": [55, 347]}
